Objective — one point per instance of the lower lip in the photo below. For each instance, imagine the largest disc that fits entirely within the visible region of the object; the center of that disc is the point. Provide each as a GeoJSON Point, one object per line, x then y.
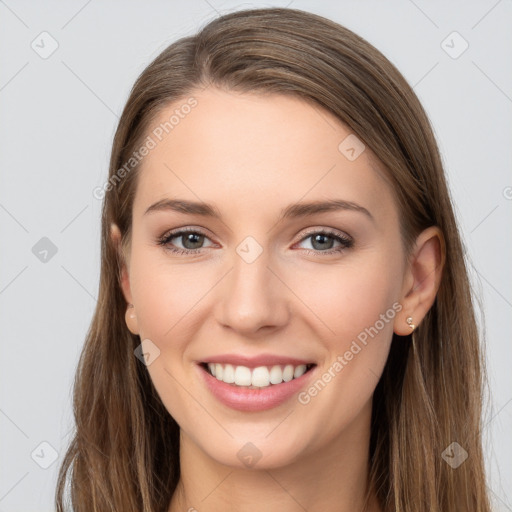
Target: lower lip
{"type": "Point", "coordinates": [250, 400]}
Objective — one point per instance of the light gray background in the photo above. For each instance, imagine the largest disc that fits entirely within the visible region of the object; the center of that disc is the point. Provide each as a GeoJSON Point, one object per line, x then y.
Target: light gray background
{"type": "Point", "coordinates": [58, 117]}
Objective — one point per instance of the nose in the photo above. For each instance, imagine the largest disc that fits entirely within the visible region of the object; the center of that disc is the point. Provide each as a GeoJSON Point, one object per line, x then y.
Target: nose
{"type": "Point", "coordinates": [252, 300]}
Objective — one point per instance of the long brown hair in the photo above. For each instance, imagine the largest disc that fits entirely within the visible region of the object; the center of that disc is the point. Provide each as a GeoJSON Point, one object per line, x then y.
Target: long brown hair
{"type": "Point", "coordinates": [125, 452]}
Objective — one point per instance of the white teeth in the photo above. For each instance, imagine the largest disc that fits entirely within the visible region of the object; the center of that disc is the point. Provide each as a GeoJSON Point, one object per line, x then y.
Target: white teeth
{"type": "Point", "coordinates": [229, 374]}
{"type": "Point", "coordinates": [288, 373]}
{"type": "Point", "coordinates": [276, 375]}
{"type": "Point", "coordinates": [219, 370]}
{"type": "Point", "coordinates": [299, 370]}
{"type": "Point", "coordinates": [260, 377]}
{"type": "Point", "coordinates": [242, 376]}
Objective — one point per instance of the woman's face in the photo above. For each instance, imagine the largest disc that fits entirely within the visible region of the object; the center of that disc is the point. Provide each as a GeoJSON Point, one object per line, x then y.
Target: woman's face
{"type": "Point", "coordinates": [292, 261]}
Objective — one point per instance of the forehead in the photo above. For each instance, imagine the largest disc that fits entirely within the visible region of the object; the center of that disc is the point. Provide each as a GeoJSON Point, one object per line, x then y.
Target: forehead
{"type": "Point", "coordinates": [255, 151]}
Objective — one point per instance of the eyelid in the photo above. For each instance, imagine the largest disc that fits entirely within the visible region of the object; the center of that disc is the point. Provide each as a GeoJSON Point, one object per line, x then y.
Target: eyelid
{"type": "Point", "coordinates": [174, 233]}
{"type": "Point", "coordinates": [328, 231]}
{"type": "Point", "coordinates": [186, 229]}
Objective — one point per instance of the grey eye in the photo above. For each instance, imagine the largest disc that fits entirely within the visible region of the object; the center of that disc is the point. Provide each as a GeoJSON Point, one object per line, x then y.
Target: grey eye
{"type": "Point", "coordinates": [192, 240]}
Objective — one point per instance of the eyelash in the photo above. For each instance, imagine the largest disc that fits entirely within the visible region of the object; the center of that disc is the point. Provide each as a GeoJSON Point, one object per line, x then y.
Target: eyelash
{"type": "Point", "coordinates": [345, 241]}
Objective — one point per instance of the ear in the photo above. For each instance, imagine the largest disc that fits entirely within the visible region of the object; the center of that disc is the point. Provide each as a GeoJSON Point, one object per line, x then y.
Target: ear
{"type": "Point", "coordinates": [422, 279]}
{"type": "Point", "coordinates": [130, 315]}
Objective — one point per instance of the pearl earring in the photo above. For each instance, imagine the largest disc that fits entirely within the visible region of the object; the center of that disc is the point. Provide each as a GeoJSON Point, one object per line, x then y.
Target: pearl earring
{"type": "Point", "coordinates": [410, 324]}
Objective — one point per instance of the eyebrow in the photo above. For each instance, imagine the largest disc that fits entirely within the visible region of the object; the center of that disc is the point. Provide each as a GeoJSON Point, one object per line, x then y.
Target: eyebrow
{"type": "Point", "coordinates": [296, 210]}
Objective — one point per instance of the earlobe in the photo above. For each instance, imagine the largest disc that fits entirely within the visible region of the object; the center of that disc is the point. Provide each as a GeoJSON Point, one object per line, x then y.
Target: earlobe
{"type": "Point", "coordinates": [422, 281]}
{"type": "Point", "coordinates": [131, 319]}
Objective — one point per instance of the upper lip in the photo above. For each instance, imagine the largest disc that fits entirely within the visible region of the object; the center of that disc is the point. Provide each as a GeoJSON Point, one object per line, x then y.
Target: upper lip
{"type": "Point", "coordinates": [255, 361]}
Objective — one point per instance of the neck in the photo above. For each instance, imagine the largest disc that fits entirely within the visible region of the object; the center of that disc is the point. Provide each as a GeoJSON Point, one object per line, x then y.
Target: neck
{"type": "Point", "coordinates": [332, 478]}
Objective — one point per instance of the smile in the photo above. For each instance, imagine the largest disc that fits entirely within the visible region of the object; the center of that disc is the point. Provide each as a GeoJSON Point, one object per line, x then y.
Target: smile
{"type": "Point", "coordinates": [256, 378]}
{"type": "Point", "coordinates": [255, 384]}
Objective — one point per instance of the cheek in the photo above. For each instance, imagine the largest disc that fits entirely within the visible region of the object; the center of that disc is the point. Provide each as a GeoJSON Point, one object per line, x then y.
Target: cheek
{"type": "Point", "coordinates": [355, 305]}
{"type": "Point", "coordinates": [358, 303]}
{"type": "Point", "coordinates": [350, 298]}
{"type": "Point", "coordinates": [168, 297]}
{"type": "Point", "coordinates": [166, 293]}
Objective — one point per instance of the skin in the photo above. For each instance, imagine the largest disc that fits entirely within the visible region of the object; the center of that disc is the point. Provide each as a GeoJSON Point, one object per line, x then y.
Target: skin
{"type": "Point", "coordinates": [251, 156]}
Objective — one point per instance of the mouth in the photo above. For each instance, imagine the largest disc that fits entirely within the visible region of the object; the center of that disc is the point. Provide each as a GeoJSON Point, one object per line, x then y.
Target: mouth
{"type": "Point", "coordinates": [260, 377]}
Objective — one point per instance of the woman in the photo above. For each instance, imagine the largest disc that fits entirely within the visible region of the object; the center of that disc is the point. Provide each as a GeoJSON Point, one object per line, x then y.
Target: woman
{"type": "Point", "coordinates": [284, 318]}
